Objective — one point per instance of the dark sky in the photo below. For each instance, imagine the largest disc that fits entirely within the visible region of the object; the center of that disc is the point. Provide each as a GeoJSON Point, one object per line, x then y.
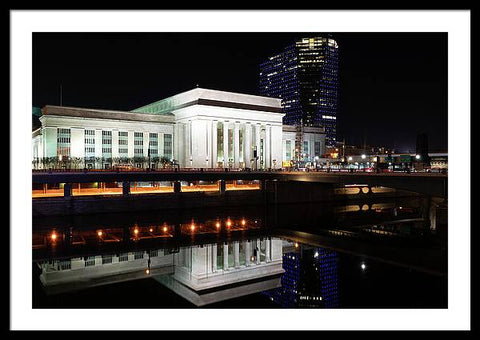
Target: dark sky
{"type": "Point", "coordinates": [392, 85]}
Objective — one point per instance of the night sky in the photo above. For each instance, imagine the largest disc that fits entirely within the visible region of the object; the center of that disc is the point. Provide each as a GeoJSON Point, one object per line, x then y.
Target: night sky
{"type": "Point", "coordinates": [392, 85]}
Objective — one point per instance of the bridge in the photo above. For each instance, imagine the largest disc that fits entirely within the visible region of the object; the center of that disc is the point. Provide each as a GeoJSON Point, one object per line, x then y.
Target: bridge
{"type": "Point", "coordinates": [431, 184]}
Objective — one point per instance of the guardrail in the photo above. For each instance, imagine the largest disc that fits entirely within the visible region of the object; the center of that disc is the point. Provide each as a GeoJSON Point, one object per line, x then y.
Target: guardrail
{"type": "Point", "coordinates": [217, 170]}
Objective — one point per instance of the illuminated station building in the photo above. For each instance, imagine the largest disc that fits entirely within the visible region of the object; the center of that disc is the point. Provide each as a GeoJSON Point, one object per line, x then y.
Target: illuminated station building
{"type": "Point", "coordinates": [200, 128]}
{"type": "Point", "coordinates": [305, 77]}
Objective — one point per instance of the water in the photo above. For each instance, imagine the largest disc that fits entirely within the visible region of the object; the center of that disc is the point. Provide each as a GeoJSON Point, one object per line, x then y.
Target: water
{"type": "Point", "coordinates": [309, 256]}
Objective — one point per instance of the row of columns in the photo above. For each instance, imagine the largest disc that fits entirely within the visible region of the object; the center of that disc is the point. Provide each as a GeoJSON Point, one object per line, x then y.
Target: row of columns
{"type": "Point", "coordinates": [248, 246]}
{"type": "Point", "coordinates": [196, 156]}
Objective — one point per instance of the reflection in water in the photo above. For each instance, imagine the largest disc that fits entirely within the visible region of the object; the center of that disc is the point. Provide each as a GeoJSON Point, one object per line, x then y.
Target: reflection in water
{"type": "Point", "coordinates": [310, 278]}
{"type": "Point", "coordinates": [291, 276]}
{"type": "Point", "coordinates": [210, 259]}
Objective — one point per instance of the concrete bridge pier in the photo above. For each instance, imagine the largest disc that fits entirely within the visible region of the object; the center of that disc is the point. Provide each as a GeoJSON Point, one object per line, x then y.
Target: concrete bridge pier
{"type": "Point", "coordinates": [222, 186]}
{"type": "Point", "coordinates": [67, 234]}
{"type": "Point", "coordinates": [126, 234]}
{"type": "Point", "coordinates": [126, 188]}
{"type": "Point", "coordinates": [67, 190]}
{"type": "Point", "coordinates": [176, 230]}
{"type": "Point", "coordinates": [177, 187]}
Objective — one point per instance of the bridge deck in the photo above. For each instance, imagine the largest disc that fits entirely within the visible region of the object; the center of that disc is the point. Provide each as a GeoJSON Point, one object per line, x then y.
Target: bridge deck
{"type": "Point", "coordinates": [434, 184]}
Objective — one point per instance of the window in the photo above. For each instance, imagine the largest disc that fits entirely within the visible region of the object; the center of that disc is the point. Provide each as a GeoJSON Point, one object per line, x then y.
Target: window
{"type": "Point", "coordinates": [317, 149]}
{"type": "Point", "coordinates": [65, 264]}
{"type": "Point", "coordinates": [107, 144]}
{"type": "Point", "coordinates": [63, 142]}
{"type": "Point", "coordinates": [219, 142]}
{"type": "Point", "coordinates": [305, 148]}
{"type": "Point", "coordinates": [106, 259]}
{"type": "Point", "coordinates": [240, 142]}
{"type": "Point", "coordinates": [138, 144]}
{"type": "Point", "coordinates": [167, 145]}
{"type": "Point", "coordinates": [288, 150]}
{"type": "Point", "coordinates": [90, 261]}
{"type": "Point", "coordinates": [89, 143]}
{"type": "Point", "coordinates": [123, 144]}
{"type": "Point", "coordinates": [230, 143]}
{"type": "Point", "coordinates": [153, 144]}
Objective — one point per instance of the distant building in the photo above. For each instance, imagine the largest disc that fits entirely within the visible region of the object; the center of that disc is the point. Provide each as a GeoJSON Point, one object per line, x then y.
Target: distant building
{"type": "Point", "coordinates": [304, 144]}
{"type": "Point", "coordinates": [422, 149]}
{"type": "Point", "coordinates": [305, 77]}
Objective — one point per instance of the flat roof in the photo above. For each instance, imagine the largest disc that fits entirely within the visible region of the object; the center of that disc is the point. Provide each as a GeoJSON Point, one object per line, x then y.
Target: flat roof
{"type": "Point", "coordinates": [201, 96]}
{"type": "Point", "coordinates": [66, 111]}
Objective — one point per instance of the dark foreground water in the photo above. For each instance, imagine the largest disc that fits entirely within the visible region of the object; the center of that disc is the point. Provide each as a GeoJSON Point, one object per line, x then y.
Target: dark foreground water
{"type": "Point", "coordinates": [330, 256]}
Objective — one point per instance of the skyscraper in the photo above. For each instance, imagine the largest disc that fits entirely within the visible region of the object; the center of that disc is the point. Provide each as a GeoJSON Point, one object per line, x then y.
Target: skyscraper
{"type": "Point", "coordinates": [305, 76]}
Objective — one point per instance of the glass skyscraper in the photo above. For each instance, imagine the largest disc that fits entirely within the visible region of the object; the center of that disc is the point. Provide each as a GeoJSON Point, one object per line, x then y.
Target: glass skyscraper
{"type": "Point", "coordinates": [305, 77]}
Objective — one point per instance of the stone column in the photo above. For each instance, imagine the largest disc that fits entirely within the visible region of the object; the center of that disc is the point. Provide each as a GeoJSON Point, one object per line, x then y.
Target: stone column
{"type": "Point", "coordinates": [433, 215]}
{"type": "Point", "coordinates": [214, 144]}
{"type": "Point", "coordinates": [225, 144]}
{"type": "Point", "coordinates": [247, 253]}
{"type": "Point", "coordinates": [214, 258]}
{"type": "Point", "coordinates": [114, 144]}
{"type": "Point", "coordinates": [236, 254]}
{"type": "Point", "coordinates": [258, 130]}
{"type": "Point", "coordinates": [146, 145]}
{"type": "Point", "coordinates": [257, 261]}
{"type": "Point", "coordinates": [267, 250]}
{"type": "Point", "coordinates": [268, 133]}
{"type": "Point", "coordinates": [130, 147]}
{"type": "Point", "coordinates": [236, 145]}
{"type": "Point", "coordinates": [247, 155]}
{"type": "Point", "coordinates": [188, 149]}
{"type": "Point", "coordinates": [225, 256]}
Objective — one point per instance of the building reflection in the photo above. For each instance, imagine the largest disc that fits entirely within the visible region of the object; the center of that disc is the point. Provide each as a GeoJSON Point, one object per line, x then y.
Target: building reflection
{"type": "Point", "coordinates": [310, 278]}
{"type": "Point", "coordinates": [216, 272]}
{"type": "Point", "coordinates": [202, 274]}
{"type": "Point", "coordinates": [291, 275]}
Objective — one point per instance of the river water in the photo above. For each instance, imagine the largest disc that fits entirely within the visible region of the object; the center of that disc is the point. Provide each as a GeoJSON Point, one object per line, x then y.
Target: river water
{"type": "Point", "coordinates": [376, 253]}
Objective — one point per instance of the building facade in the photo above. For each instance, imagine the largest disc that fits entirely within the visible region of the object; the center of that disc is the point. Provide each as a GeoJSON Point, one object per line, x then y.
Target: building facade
{"type": "Point", "coordinates": [100, 138]}
{"type": "Point", "coordinates": [305, 77]}
{"type": "Point", "coordinates": [200, 128]}
{"type": "Point", "coordinates": [306, 144]}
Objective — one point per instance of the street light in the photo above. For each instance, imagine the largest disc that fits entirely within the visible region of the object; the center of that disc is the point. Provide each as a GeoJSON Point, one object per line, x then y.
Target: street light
{"type": "Point", "coordinates": [350, 158]}
{"type": "Point", "coordinates": [417, 156]}
{"type": "Point", "coordinates": [364, 156]}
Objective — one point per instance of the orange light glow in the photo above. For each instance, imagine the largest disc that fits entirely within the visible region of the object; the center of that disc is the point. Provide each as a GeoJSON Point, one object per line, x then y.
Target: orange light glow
{"type": "Point", "coordinates": [192, 227]}
{"type": "Point", "coordinates": [54, 236]}
{"type": "Point", "coordinates": [296, 245]}
{"type": "Point", "coordinates": [217, 224]}
{"type": "Point", "coordinates": [229, 223]}
{"type": "Point", "coordinates": [99, 233]}
{"type": "Point", "coordinates": [151, 230]}
{"type": "Point", "coordinates": [243, 222]}
{"type": "Point", "coordinates": [165, 229]}
{"type": "Point", "coordinates": [147, 271]}
{"type": "Point", "coordinates": [135, 231]}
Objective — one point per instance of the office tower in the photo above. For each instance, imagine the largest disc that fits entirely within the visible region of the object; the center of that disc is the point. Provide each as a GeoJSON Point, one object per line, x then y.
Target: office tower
{"type": "Point", "coordinates": [305, 76]}
{"type": "Point", "coordinates": [422, 148]}
{"type": "Point", "coordinates": [310, 279]}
